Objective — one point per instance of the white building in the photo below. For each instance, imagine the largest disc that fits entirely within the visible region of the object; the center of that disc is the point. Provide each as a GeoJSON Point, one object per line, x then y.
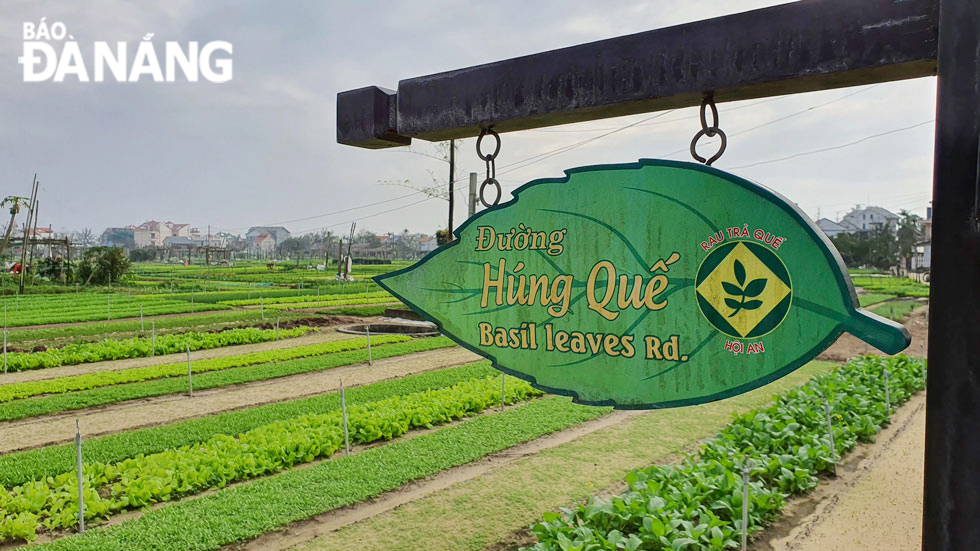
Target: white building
{"type": "Point", "coordinates": [831, 228]}
{"type": "Point", "coordinates": [869, 218]}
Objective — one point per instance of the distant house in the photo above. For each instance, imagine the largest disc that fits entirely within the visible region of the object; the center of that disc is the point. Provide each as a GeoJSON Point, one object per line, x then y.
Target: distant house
{"type": "Point", "coordinates": [263, 243]}
{"type": "Point", "coordinates": [868, 219]}
{"type": "Point", "coordinates": [922, 259]}
{"type": "Point", "coordinates": [41, 233]}
{"type": "Point", "coordinates": [265, 239]}
{"type": "Point", "coordinates": [277, 233]}
{"type": "Point", "coordinates": [427, 244]}
{"type": "Point", "coordinates": [150, 234]}
{"type": "Point", "coordinates": [174, 242]}
{"type": "Point", "coordinates": [831, 228]}
{"type": "Point", "coordinates": [179, 230]}
{"type": "Point", "coordinates": [118, 237]}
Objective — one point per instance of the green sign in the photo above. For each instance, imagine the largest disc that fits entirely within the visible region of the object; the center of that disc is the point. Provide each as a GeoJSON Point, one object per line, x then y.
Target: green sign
{"type": "Point", "coordinates": [643, 285]}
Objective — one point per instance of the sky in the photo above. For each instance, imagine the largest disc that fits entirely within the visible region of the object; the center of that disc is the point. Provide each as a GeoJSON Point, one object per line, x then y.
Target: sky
{"type": "Point", "coordinates": [261, 149]}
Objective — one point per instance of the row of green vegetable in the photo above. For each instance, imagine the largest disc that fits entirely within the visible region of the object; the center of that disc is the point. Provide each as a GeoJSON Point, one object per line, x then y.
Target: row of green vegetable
{"type": "Point", "coordinates": [307, 298]}
{"type": "Point", "coordinates": [901, 286]}
{"type": "Point", "coordinates": [89, 332]}
{"type": "Point", "coordinates": [64, 308]}
{"type": "Point", "coordinates": [74, 383]}
{"type": "Point", "coordinates": [110, 488]}
{"type": "Point", "coordinates": [35, 464]}
{"type": "Point", "coordinates": [137, 347]}
{"type": "Point", "coordinates": [245, 511]}
{"type": "Point", "coordinates": [43, 405]}
{"type": "Point", "coordinates": [329, 303]}
{"type": "Point", "coordinates": [697, 505]}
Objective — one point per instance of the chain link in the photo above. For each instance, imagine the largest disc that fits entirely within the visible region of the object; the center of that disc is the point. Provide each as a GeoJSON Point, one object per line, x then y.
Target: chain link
{"type": "Point", "coordinates": [491, 179]}
{"type": "Point", "coordinates": [710, 131]}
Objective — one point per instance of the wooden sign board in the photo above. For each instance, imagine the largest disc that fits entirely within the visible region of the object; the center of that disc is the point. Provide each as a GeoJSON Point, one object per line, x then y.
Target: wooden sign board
{"type": "Point", "coordinates": [643, 285]}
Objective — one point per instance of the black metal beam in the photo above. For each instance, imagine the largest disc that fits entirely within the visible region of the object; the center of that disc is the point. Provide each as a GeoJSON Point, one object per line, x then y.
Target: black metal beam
{"type": "Point", "coordinates": [951, 515]}
{"type": "Point", "coordinates": [786, 49]}
{"type": "Point", "coordinates": [366, 116]}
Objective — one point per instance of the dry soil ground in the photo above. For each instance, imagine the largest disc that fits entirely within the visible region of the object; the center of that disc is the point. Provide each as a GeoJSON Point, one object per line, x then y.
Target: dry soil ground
{"type": "Point", "coordinates": [875, 503]}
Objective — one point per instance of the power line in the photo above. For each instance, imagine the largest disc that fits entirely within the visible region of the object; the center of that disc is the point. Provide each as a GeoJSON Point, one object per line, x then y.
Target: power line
{"type": "Point", "coordinates": [365, 217]}
{"type": "Point", "coordinates": [341, 211]}
{"type": "Point", "coordinates": [779, 119]}
{"type": "Point", "coordinates": [833, 148]}
{"type": "Point", "coordinates": [533, 159]}
{"type": "Point", "coordinates": [548, 154]}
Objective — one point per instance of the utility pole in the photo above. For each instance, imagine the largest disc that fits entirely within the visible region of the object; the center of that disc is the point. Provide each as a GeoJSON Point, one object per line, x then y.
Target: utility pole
{"type": "Point", "coordinates": [207, 247]}
{"type": "Point", "coordinates": [30, 254]}
{"type": "Point", "coordinates": [471, 207]}
{"type": "Point", "coordinates": [27, 226]}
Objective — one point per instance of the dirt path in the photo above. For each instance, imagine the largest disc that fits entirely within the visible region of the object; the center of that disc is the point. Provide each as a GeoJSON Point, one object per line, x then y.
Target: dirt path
{"type": "Point", "coordinates": [59, 428]}
{"type": "Point", "coordinates": [875, 503]}
{"type": "Point", "coordinates": [849, 346]}
{"type": "Point", "coordinates": [316, 337]}
{"type": "Point", "coordinates": [323, 524]}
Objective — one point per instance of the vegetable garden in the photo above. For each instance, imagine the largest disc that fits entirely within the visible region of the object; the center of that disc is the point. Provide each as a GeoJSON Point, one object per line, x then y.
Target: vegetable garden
{"type": "Point", "coordinates": [225, 460]}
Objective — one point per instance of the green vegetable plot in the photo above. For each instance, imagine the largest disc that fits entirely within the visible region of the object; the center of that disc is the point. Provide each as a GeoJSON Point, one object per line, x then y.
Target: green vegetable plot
{"type": "Point", "coordinates": [73, 354]}
{"type": "Point", "coordinates": [309, 298]}
{"type": "Point", "coordinates": [901, 286]}
{"type": "Point", "coordinates": [162, 325]}
{"type": "Point", "coordinates": [697, 505]}
{"type": "Point", "coordinates": [42, 405]}
{"type": "Point", "coordinates": [327, 303]}
{"type": "Point", "coordinates": [60, 385]}
{"type": "Point", "coordinates": [144, 480]}
{"type": "Point", "coordinates": [873, 298]}
{"type": "Point", "coordinates": [71, 307]}
{"type": "Point", "coordinates": [246, 511]}
{"type": "Point", "coordinates": [20, 467]}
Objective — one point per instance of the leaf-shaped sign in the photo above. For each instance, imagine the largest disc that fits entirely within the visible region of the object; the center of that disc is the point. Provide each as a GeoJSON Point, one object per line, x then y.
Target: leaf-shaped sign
{"type": "Point", "coordinates": [615, 285]}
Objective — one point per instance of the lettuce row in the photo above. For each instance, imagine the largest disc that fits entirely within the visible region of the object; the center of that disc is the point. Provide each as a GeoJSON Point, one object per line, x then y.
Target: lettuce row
{"type": "Point", "coordinates": [109, 349]}
{"type": "Point", "coordinates": [42, 405]}
{"type": "Point", "coordinates": [697, 505]}
{"type": "Point", "coordinates": [147, 479]}
{"type": "Point", "coordinates": [15, 391]}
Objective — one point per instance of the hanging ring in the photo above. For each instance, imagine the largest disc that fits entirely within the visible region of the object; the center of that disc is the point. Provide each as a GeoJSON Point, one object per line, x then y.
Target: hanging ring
{"type": "Point", "coordinates": [483, 186]}
{"type": "Point", "coordinates": [496, 149]}
{"type": "Point", "coordinates": [708, 132]}
{"type": "Point", "coordinates": [709, 101]}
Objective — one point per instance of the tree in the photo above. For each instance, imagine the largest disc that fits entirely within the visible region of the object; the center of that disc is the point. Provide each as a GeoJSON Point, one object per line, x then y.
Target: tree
{"type": "Point", "coordinates": [142, 255]}
{"type": "Point", "coordinates": [103, 265]}
{"type": "Point", "coordinates": [368, 238]}
{"type": "Point", "coordinates": [882, 248]}
{"type": "Point", "coordinates": [908, 235]}
{"type": "Point", "coordinates": [86, 237]}
{"type": "Point", "coordinates": [291, 246]}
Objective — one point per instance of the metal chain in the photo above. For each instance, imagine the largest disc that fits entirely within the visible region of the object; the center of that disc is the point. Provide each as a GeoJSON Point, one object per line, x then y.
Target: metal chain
{"type": "Point", "coordinates": [709, 131]}
{"type": "Point", "coordinates": [491, 167]}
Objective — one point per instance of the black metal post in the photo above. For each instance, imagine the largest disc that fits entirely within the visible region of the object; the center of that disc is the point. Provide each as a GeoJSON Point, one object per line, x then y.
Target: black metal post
{"type": "Point", "coordinates": [951, 514]}
{"type": "Point", "coordinates": [452, 176]}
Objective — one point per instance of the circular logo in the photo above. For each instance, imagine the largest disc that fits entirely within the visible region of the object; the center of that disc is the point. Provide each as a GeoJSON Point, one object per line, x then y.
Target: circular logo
{"type": "Point", "coordinates": [743, 289]}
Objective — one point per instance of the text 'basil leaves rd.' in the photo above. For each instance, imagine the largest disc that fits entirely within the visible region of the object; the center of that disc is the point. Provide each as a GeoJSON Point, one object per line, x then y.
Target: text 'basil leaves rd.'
{"type": "Point", "coordinates": [642, 285]}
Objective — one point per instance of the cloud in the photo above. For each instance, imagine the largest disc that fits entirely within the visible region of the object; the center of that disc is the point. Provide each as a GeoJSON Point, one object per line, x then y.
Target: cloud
{"type": "Point", "coordinates": [262, 147]}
